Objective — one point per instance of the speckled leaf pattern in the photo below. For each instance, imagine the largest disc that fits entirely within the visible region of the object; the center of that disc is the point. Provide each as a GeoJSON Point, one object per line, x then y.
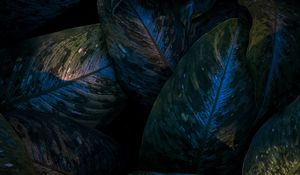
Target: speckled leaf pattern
{"type": "Point", "coordinates": [62, 144]}
{"type": "Point", "coordinates": [275, 147]}
{"type": "Point", "coordinates": [273, 51]}
{"type": "Point", "coordinates": [145, 45]}
{"type": "Point", "coordinates": [14, 159]}
{"type": "Point", "coordinates": [65, 73]}
{"type": "Point", "coordinates": [19, 17]}
{"type": "Point", "coordinates": [201, 119]}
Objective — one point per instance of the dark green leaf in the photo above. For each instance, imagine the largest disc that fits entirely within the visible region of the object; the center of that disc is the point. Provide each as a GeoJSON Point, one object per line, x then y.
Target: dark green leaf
{"type": "Point", "coordinates": [273, 51]}
{"type": "Point", "coordinates": [145, 45]}
{"type": "Point", "coordinates": [65, 73]}
{"type": "Point", "coordinates": [275, 147]}
{"type": "Point", "coordinates": [63, 145]}
{"type": "Point", "coordinates": [201, 119]}
{"type": "Point", "coordinates": [199, 25]}
{"type": "Point", "coordinates": [13, 156]}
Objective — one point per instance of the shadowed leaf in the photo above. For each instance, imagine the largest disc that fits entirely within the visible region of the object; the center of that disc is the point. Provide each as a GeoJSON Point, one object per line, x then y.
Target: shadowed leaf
{"type": "Point", "coordinates": [63, 145]}
{"type": "Point", "coordinates": [145, 45]}
{"type": "Point", "coordinates": [65, 73]}
{"type": "Point", "coordinates": [13, 157]}
{"type": "Point", "coordinates": [199, 25]}
{"type": "Point", "coordinates": [201, 119]}
{"type": "Point", "coordinates": [275, 147]}
{"type": "Point", "coordinates": [273, 51]}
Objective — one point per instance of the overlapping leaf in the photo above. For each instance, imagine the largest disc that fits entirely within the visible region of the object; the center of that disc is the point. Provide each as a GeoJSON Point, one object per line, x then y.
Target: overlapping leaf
{"type": "Point", "coordinates": [201, 119]}
{"type": "Point", "coordinates": [144, 43]}
{"type": "Point", "coordinates": [201, 24]}
{"type": "Point", "coordinates": [62, 145]}
{"type": "Point", "coordinates": [275, 147]}
{"type": "Point", "coordinates": [19, 17]}
{"type": "Point", "coordinates": [65, 73]}
{"type": "Point", "coordinates": [13, 156]}
{"type": "Point", "coordinates": [273, 51]}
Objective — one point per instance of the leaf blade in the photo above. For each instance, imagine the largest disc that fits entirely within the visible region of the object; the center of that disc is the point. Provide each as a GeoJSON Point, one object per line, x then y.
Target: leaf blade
{"type": "Point", "coordinates": [146, 42]}
{"type": "Point", "coordinates": [205, 109]}
{"type": "Point", "coordinates": [65, 146]}
{"type": "Point", "coordinates": [65, 73]}
{"type": "Point", "coordinates": [273, 51]}
{"type": "Point", "coordinates": [276, 153]}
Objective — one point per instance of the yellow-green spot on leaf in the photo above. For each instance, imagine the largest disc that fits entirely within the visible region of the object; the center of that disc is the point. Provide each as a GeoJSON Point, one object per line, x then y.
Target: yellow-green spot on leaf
{"type": "Point", "coordinates": [184, 117]}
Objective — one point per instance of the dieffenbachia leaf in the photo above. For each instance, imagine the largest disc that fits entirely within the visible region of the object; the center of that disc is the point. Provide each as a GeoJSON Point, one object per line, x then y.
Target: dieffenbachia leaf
{"type": "Point", "coordinates": [145, 45]}
{"type": "Point", "coordinates": [201, 119]}
{"type": "Point", "coordinates": [63, 145]}
{"type": "Point", "coordinates": [275, 149]}
{"type": "Point", "coordinates": [14, 159]}
{"type": "Point", "coordinates": [65, 73]}
{"type": "Point", "coordinates": [18, 18]}
{"type": "Point", "coordinates": [273, 51]}
{"type": "Point", "coordinates": [187, 9]}
{"type": "Point", "coordinates": [199, 25]}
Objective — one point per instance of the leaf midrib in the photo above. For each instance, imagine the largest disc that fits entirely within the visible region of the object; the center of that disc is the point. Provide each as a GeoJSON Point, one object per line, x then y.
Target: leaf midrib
{"type": "Point", "coordinates": [163, 59]}
{"type": "Point", "coordinates": [26, 98]}
{"type": "Point", "coordinates": [211, 115]}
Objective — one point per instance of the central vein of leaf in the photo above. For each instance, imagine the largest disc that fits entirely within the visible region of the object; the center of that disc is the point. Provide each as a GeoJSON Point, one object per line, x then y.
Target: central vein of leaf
{"type": "Point", "coordinates": [153, 41]}
{"type": "Point", "coordinates": [229, 56]}
{"type": "Point", "coordinates": [25, 98]}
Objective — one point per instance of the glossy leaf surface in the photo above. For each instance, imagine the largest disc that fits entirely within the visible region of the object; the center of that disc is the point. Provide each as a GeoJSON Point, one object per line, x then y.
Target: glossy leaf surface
{"type": "Point", "coordinates": [201, 119]}
{"type": "Point", "coordinates": [65, 73]}
{"type": "Point", "coordinates": [63, 145]}
{"type": "Point", "coordinates": [145, 45]}
{"type": "Point", "coordinates": [14, 159]}
{"type": "Point", "coordinates": [275, 147]}
{"type": "Point", "coordinates": [273, 51]}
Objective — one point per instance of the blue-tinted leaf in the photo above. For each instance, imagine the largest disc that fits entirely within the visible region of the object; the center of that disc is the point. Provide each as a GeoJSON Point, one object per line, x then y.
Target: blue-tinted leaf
{"type": "Point", "coordinates": [273, 51]}
{"type": "Point", "coordinates": [201, 119]}
{"type": "Point", "coordinates": [275, 147]}
{"type": "Point", "coordinates": [13, 156]}
{"type": "Point", "coordinates": [145, 45]}
{"type": "Point", "coordinates": [20, 17]}
{"type": "Point", "coordinates": [65, 73]}
{"type": "Point", "coordinates": [199, 25]}
{"type": "Point", "coordinates": [65, 146]}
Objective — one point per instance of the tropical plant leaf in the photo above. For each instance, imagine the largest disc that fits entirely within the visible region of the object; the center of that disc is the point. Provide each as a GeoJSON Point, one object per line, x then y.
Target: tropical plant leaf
{"type": "Point", "coordinates": [273, 51]}
{"type": "Point", "coordinates": [20, 17]}
{"type": "Point", "coordinates": [201, 24]}
{"type": "Point", "coordinates": [65, 73]}
{"type": "Point", "coordinates": [275, 147]}
{"type": "Point", "coordinates": [13, 156]}
{"type": "Point", "coordinates": [201, 119]}
{"type": "Point", "coordinates": [63, 145]}
{"type": "Point", "coordinates": [187, 9]}
{"type": "Point", "coordinates": [145, 45]}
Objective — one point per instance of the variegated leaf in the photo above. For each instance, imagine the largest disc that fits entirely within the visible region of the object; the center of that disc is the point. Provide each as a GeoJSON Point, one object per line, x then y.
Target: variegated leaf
{"type": "Point", "coordinates": [64, 146]}
{"type": "Point", "coordinates": [275, 147]}
{"type": "Point", "coordinates": [65, 73]}
{"type": "Point", "coordinates": [201, 120]}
